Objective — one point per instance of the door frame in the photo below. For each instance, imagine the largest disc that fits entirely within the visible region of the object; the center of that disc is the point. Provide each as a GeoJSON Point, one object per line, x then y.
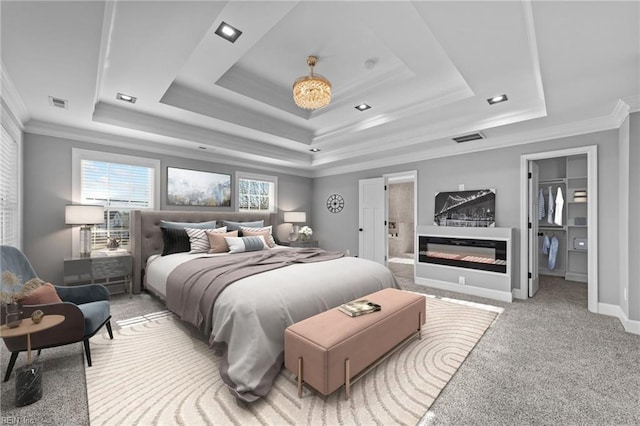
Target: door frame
{"type": "Point", "coordinates": [592, 219]}
{"type": "Point", "coordinates": [399, 177]}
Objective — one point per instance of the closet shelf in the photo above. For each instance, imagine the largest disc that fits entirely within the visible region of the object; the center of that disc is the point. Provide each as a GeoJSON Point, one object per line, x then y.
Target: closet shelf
{"type": "Point", "coordinates": [552, 228]}
{"type": "Point", "coordinates": [577, 251]}
{"type": "Point", "coordinates": [558, 180]}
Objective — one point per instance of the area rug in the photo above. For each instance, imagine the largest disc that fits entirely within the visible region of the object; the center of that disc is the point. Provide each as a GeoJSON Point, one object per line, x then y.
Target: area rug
{"type": "Point", "coordinates": [160, 372]}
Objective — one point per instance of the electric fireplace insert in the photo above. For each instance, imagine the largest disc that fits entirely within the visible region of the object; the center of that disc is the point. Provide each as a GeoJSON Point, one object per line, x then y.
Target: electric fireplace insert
{"type": "Point", "coordinates": [470, 253]}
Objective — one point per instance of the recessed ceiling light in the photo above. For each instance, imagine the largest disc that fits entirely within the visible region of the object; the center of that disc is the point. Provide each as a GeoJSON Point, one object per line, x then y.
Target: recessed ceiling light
{"type": "Point", "coordinates": [202, 147]}
{"type": "Point", "coordinates": [227, 32]}
{"type": "Point", "coordinates": [126, 98]}
{"type": "Point", "coordinates": [363, 107]}
{"type": "Point", "coordinates": [497, 99]}
{"type": "Point", "coordinates": [315, 150]}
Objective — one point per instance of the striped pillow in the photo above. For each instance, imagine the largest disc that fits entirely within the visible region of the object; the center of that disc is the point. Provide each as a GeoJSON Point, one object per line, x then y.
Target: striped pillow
{"type": "Point", "coordinates": [254, 232]}
{"type": "Point", "coordinates": [199, 240]}
{"type": "Point", "coordinates": [242, 244]}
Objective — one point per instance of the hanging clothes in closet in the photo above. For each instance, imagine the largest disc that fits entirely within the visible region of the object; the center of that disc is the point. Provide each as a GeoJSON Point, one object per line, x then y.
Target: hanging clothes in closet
{"type": "Point", "coordinates": [550, 248]}
{"type": "Point", "coordinates": [550, 206]}
{"type": "Point", "coordinates": [559, 204]}
{"type": "Point", "coordinates": [541, 209]}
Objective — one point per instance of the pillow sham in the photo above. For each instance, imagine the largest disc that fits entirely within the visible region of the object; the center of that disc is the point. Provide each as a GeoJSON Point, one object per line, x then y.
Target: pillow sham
{"type": "Point", "coordinates": [174, 241]}
{"type": "Point", "coordinates": [217, 243]}
{"type": "Point", "coordinates": [177, 240]}
{"type": "Point", "coordinates": [181, 225]}
{"type": "Point", "coordinates": [233, 226]}
{"type": "Point", "coordinates": [242, 244]}
{"type": "Point", "coordinates": [198, 238]}
{"type": "Point", "coordinates": [265, 232]}
{"type": "Point", "coordinates": [42, 295]}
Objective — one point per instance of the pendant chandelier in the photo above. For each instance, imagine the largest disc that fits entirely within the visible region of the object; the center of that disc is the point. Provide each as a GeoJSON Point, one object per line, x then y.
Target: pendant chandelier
{"type": "Point", "coordinates": [312, 91]}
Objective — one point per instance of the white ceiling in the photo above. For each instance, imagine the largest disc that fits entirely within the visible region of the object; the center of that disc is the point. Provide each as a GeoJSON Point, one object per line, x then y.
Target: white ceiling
{"type": "Point", "coordinates": [567, 67]}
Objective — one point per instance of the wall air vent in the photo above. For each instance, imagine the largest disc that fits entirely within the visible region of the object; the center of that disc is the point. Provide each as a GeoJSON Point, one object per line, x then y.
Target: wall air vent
{"type": "Point", "coordinates": [469, 137]}
{"type": "Point", "coordinates": [58, 103]}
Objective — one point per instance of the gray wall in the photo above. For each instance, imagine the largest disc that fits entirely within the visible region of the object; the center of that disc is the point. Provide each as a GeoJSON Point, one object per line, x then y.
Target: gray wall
{"type": "Point", "coordinates": [499, 169]}
{"type": "Point", "coordinates": [47, 189]}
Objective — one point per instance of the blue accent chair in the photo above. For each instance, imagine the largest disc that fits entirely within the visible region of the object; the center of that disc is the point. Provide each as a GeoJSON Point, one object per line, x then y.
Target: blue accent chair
{"type": "Point", "coordinates": [85, 308]}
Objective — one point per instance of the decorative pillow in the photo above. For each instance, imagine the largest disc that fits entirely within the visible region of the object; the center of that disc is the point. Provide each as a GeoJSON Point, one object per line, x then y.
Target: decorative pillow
{"type": "Point", "coordinates": [42, 295]}
{"type": "Point", "coordinates": [181, 225]}
{"type": "Point", "coordinates": [265, 232]}
{"type": "Point", "coordinates": [242, 244]}
{"type": "Point", "coordinates": [174, 241]}
{"type": "Point", "coordinates": [217, 242]}
{"type": "Point", "coordinates": [198, 239]}
{"type": "Point", "coordinates": [233, 226]}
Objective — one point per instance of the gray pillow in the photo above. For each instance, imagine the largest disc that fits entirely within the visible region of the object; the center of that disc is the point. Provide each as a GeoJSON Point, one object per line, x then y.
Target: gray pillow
{"type": "Point", "coordinates": [181, 225]}
{"type": "Point", "coordinates": [235, 226]}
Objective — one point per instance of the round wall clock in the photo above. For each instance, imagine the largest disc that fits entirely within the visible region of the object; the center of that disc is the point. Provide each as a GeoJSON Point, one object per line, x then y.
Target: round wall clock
{"type": "Point", "coordinates": [335, 203]}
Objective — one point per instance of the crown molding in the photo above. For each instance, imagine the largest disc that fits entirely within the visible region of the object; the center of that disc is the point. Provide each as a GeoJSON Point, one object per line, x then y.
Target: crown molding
{"type": "Point", "coordinates": [107, 139]}
{"type": "Point", "coordinates": [12, 98]}
{"type": "Point", "coordinates": [633, 102]}
{"type": "Point", "coordinates": [607, 122]}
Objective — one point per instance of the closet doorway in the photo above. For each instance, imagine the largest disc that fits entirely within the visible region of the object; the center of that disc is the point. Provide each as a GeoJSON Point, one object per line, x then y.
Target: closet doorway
{"type": "Point", "coordinates": [401, 211]}
{"type": "Point", "coordinates": [559, 211]}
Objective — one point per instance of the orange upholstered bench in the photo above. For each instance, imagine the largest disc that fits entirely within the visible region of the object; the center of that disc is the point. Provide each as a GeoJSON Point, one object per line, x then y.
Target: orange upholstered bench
{"type": "Point", "coordinates": [332, 349]}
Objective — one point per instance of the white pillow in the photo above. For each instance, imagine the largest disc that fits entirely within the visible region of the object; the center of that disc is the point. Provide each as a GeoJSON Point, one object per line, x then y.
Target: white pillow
{"type": "Point", "coordinates": [199, 240]}
{"type": "Point", "coordinates": [242, 244]}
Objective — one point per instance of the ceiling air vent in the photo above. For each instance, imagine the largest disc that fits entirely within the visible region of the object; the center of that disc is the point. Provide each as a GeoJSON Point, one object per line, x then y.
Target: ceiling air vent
{"type": "Point", "coordinates": [58, 103]}
{"type": "Point", "coordinates": [469, 137]}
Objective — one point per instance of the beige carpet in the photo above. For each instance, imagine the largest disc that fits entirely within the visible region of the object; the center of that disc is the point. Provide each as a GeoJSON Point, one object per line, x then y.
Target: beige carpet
{"type": "Point", "coordinates": [160, 372]}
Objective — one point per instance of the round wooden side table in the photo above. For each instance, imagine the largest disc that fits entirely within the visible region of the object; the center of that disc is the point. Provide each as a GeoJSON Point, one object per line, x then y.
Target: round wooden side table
{"type": "Point", "coordinates": [29, 378]}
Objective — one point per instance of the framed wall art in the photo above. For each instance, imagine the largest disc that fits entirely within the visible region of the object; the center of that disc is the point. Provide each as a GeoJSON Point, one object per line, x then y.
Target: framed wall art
{"type": "Point", "coordinates": [197, 188]}
{"type": "Point", "coordinates": [466, 208]}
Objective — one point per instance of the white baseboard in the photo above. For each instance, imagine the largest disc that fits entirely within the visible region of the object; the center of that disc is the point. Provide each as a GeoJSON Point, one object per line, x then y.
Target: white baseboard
{"type": "Point", "coordinates": [631, 326]}
{"type": "Point", "coordinates": [518, 293]}
{"type": "Point", "coordinates": [503, 296]}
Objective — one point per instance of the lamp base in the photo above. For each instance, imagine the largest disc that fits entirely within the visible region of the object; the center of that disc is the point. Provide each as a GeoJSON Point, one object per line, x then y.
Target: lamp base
{"type": "Point", "coordinates": [85, 241]}
{"type": "Point", "coordinates": [293, 235]}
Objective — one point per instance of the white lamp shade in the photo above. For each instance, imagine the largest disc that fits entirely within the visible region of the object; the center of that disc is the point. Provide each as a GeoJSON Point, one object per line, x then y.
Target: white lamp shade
{"type": "Point", "coordinates": [295, 217]}
{"type": "Point", "coordinates": [83, 214]}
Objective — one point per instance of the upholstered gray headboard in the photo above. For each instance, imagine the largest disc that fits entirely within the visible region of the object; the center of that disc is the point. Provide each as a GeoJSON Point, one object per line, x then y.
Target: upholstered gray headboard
{"type": "Point", "coordinates": [146, 236]}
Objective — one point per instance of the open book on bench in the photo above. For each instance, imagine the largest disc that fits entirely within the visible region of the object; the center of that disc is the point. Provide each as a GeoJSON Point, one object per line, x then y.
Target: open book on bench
{"type": "Point", "coordinates": [359, 307]}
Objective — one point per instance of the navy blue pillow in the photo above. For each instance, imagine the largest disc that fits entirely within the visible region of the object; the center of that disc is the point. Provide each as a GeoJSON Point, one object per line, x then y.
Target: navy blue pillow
{"type": "Point", "coordinates": [175, 238]}
{"type": "Point", "coordinates": [174, 241]}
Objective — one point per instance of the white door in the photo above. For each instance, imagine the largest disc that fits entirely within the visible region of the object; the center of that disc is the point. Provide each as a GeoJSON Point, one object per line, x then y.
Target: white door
{"type": "Point", "coordinates": [371, 214]}
{"type": "Point", "coordinates": [533, 230]}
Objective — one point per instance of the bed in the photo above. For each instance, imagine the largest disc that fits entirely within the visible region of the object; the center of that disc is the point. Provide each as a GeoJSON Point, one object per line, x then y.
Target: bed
{"type": "Point", "coordinates": [245, 323]}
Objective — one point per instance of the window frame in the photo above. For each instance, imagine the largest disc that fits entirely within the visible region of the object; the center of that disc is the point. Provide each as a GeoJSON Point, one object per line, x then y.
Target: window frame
{"type": "Point", "coordinates": [261, 177]}
{"type": "Point", "coordinates": [78, 155]}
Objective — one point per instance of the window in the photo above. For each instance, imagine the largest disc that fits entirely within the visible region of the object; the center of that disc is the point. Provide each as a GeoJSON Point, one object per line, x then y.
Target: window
{"type": "Point", "coordinates": [120, 184]}
{"type": "Point", "coordinates": [257, 193]}
{"type": "Point", "coordinates": [8, 190]}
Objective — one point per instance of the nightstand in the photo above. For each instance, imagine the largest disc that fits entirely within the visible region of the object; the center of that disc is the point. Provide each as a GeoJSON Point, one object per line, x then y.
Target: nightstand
{"type": "Point", "coordinates": [114, 272]}
{"type": "Point", "coordinates": [300, 243]}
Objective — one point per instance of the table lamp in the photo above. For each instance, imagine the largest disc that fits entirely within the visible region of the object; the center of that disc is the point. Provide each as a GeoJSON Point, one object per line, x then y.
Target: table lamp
{"type": "Point", "coordinates": [293, 218]}
{"type": "Point", "coordinates": [86, 216]}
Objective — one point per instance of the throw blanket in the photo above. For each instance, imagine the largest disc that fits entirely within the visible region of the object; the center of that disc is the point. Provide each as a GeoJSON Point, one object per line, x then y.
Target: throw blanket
{"type": "Point", "coordinates": [246, 322]}
{"type": "Point", "coordinates": [194, 286]}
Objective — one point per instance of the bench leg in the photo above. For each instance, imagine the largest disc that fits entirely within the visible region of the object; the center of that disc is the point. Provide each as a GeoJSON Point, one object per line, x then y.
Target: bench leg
{"type": "Point", "coordinates": [347, 380]}
{"type": "Point", "coordinates": [420, 325]}
{"type": "Point", "coordinates": [300, 377]}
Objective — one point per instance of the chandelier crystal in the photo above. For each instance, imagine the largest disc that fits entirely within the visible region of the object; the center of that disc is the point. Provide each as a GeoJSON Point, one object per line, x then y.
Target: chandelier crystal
{"type": "Point", "coordinates": [312, 91]}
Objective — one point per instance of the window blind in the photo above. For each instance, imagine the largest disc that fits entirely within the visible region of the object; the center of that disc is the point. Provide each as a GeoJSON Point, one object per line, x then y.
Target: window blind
{"type": "Point", "coordinates": [120, 188]}
{"type": "Point", "coordinates": [8, 190]}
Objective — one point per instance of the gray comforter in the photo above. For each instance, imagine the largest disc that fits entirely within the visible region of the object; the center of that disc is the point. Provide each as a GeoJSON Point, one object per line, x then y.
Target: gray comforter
{"type": "Point", "coordinates": [244, 302]}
